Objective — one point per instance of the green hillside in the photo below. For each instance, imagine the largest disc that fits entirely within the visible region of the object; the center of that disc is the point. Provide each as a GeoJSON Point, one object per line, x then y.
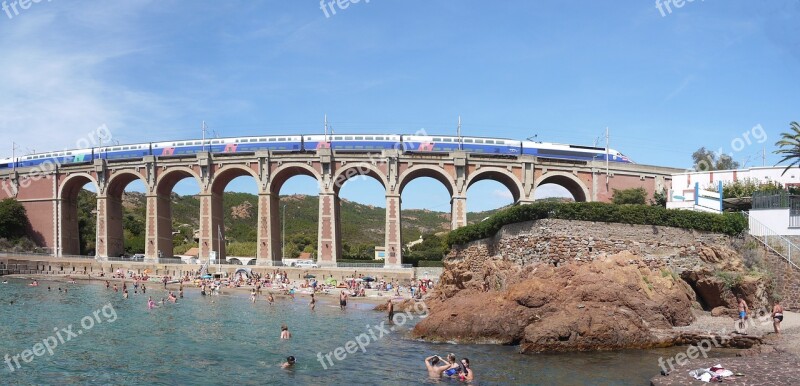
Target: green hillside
{"type": "Point", "coordinates": [362, 226]}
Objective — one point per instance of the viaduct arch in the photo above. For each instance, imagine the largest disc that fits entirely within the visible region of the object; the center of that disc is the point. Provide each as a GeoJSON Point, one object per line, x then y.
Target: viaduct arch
{"type": "Point", "coordinates": [51, 199]}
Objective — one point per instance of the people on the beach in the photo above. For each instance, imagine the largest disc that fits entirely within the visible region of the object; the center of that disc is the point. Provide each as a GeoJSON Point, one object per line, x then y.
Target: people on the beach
{"type": "Point", "coordinates": [436, 365]}
{"type": "Point", "coordinates": [342, 300]}
{"type": "Point", "coordinates": [743, 311]}
{"type": "Point", "coordinates": [777, 316]}
{"type": "Point", "coordinates": [290, 361]}
{"type": "Point", "coordinates": [285, 334]}
{"type": "Point", "coordinates": [390, 309]}
{"type": "Point", "coordinates": [313, 302]}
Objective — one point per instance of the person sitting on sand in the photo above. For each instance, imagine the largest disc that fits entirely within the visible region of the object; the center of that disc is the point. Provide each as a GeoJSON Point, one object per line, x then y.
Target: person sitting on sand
{"type": "Point", "coordinates": [290, 361]}
{"type": "Point", "coordinates": [777, 316]}
{"type": "Point", "coordinates": [436, 365]}
{"type": "Point", "coordinates": [285, 334]}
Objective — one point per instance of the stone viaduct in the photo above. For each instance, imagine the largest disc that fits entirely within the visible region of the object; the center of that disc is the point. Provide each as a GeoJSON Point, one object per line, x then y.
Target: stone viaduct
{"type": "Point", "coordinates": [50, 196]}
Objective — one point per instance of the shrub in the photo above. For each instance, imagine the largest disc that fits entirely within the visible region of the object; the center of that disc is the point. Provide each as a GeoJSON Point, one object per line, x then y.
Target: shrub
{"type": "Point", "coordinates": [732, 224]}
{"type": "Point", "coordinates": [636, 196]}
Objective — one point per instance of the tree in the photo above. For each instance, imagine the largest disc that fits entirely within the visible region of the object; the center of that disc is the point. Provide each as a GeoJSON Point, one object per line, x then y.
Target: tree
{"type": "Point", "coordinates": [790, 146]}
{"type": "Point", "coordinates": [707, 160]}
{"type": "Point", "coordinates": [659, 198]}
{"type": "Point", "coordinates": [636, 196]}
{"type": "Point", "coordinates": [13, 219]}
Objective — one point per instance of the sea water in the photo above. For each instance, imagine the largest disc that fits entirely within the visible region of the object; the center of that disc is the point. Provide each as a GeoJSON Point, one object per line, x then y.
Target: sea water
{"type": "Point", "coordinates": [224, 340]}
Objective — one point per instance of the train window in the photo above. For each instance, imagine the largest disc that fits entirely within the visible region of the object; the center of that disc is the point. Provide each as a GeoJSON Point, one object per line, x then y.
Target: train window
{"type": "Point", "coordinates": [69, 153]}
{"type": "Point", "coordinates": [348, 138]}
{"type": "Point", "coordinates": [272, 139]}
{"type": "Point", "coordinates": [125, 148]}
{"type": "Point", "coordinates": [359, 138]}
{"type": "Point", "coordinates": [196, 142]}
{"type": "Point", "coordinates": [369, 138]}
{"type": "Point", "coordinates": [447, 140]}
{"type": "Point", "coordinates": [478, 141]}
{"type": "Point", "coordinates": [437, 140]}
{"type": "Point", "coordinates": [282, 139]}
{"type": "Point", "coordinates": [467, 140]}
{"type": "Point", "coordinates": [489, 141]}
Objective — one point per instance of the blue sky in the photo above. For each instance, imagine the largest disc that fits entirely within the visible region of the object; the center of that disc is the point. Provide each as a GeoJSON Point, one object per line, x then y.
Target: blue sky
{"type": "Point", "coordinates": [665, 84]}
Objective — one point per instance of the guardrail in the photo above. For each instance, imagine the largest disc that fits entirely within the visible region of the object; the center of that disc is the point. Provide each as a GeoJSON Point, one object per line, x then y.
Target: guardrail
{"type": "Point", "coordinates": [368, 265]}
{"type": "Point", "coordinates": [167, 260]}
{"type": "Point", "coordinates": [32, 254]}
{"type": "Point", "coordinates": [772, 240]}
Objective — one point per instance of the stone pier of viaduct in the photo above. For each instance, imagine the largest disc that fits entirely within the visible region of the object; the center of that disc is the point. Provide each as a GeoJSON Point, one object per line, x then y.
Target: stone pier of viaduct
{"type": "Point", "coordinates": [50, 196]}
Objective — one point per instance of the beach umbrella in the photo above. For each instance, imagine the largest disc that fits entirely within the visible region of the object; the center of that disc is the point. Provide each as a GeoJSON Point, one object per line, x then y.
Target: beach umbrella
{"type": "Point", "coordinates": [309, 276]}
{"type": "Point", "coordinates": [359, 279]}
{"type": "Point", "coordinates": [331, 280]}
{"type": "Point", "coordinates": [367, 278]}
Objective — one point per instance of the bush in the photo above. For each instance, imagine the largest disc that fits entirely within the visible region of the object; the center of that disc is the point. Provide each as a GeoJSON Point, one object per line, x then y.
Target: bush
{"type": "Point", "coordinates": [635, 196]}
{"type": "Point", "coordinates": [13, 219]}
{"type": "Point", "coordinates": [732, 224]}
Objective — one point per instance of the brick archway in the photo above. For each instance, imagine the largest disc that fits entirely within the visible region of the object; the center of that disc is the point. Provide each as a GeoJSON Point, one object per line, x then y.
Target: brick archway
{"type": "Point", "coordinates": [568, 181]}
{"type": "Point", "coordinates": [69, 233]}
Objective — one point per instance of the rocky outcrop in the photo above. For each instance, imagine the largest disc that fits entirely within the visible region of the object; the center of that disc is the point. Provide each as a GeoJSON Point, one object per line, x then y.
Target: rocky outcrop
{"type": "Point", "coordinates": [555, 285]}
{"type": "Point", "coordinates": [610, 303]}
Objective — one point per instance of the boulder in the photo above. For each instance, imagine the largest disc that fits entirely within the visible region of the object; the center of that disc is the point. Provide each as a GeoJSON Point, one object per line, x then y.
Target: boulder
{"type": "Point", "coordinates": [614, 302]}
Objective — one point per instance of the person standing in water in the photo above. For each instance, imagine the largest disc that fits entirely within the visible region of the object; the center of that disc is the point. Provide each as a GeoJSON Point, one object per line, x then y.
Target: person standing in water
{"type": "Point", "coordinates": [436, 365]}
{"type": "Point", "coordinates": [390, 309]}
{"type": "Point", "coordinates": [270, 299]}
{"type": "Point", "coordinates": [313, 302]}
{"type": "Point", "coordinates": [342, 301]}
{"type": "Point", "coordinates": [285, 334]}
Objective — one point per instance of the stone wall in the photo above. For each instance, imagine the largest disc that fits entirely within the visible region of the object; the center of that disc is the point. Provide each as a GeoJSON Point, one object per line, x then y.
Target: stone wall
{"type": "Point", "coordinates": [787, 277]}
{"type": "Point", "coordinates": [560, 241]}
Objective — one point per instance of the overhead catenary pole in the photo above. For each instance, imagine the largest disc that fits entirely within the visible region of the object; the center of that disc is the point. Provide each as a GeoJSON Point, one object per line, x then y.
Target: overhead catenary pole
{"type": "Point", "coordinates": [458, 131]}
{"type": "Point", "coordinates": [203, 127]}
{"type": "Point", "coordinates": [606, 155]}
{"type": "Point", "coordinates": [326, 128]}
{"type": "Point", "coordinates": [14, 155]}
{"type": "Point", "coordinates": [219, 246]}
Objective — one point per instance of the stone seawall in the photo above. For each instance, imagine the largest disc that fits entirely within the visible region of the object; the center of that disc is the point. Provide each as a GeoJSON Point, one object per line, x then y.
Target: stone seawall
{"type": "Point", "coordinates": [560, 241]}
{"type": "Point", "coordinates": [69, 266]}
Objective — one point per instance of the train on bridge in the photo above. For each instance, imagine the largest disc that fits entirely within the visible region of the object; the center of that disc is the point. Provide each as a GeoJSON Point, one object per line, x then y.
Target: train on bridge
{"type": "Point", "coordinates": [357, 143]}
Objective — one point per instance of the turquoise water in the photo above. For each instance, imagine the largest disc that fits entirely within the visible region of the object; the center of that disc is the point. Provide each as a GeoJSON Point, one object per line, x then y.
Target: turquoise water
{"type": "Point", "coordinates": [223, 340]}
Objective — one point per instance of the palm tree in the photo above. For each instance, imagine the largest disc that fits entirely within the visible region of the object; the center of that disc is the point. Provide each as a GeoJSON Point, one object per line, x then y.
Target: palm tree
{"type": "Point", "coordinates": [790, 146]}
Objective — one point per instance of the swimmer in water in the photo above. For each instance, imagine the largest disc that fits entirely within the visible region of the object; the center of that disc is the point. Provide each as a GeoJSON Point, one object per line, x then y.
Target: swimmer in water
{"type": "Point", "coordinates": [124, 294]}
{"type": "Point", "coordinates": [270, 299]}
{"type": "Point", "coordinates": [285, 334]}
{"type": "Point", "coordinates": [436, 365]}
{"type": "Point", "coordinates": [290, 361]}
{"type": "Point", "coordinates": [150, 303]}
